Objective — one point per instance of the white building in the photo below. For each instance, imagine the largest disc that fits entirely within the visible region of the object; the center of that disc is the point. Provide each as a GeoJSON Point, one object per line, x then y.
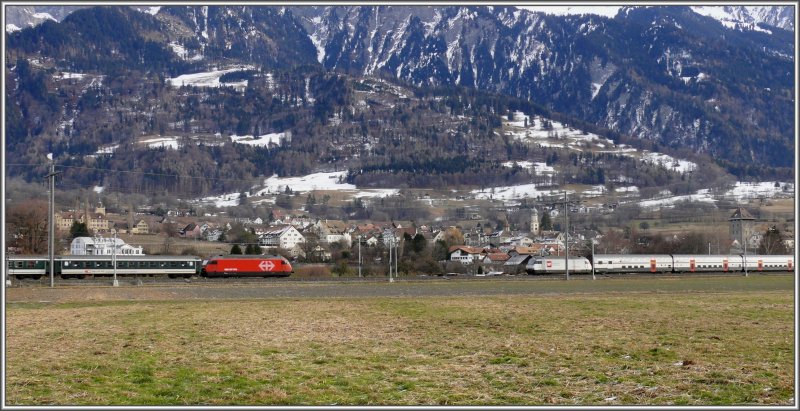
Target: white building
{"type": "Point", "coordinates": [102, 246]}
{"type": "Point", "coordinates": [466, 254]}
{"type": "Point", "coordinates": [286, 237]}
{"type": "Point", "coordinates": [333, 231]}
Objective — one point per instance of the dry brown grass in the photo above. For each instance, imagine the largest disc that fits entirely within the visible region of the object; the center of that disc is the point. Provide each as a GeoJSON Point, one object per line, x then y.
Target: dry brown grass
{"type": "Point", "coordinates": [643, 348]}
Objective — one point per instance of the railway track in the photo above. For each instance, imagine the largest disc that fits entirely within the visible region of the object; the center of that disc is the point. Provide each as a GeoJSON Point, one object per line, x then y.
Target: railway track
{"type": "Point", "coordinates": [146, 281]}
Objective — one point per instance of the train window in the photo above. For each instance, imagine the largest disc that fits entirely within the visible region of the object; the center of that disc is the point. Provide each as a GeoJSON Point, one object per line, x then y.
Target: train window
{"type": "Point", "coordinates": [152, 264]}
{"type": "Point", "coordinates": [191, 263]}
{"type": "Point", "coordinates": [18, 264]}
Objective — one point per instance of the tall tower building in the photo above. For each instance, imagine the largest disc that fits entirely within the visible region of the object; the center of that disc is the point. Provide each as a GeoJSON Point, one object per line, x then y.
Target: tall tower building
{"type": "Point", "coordinates": [740, 228]}
{"type": "Point", "coordinates": [535, 222]}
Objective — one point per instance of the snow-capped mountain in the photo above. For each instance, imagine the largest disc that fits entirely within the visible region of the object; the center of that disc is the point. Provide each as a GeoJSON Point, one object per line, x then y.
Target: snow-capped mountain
{"type": "Point", "coordinates": [20, 17]}
{"type": "Point", "coordinates": [748, 16]}
{"type": "Point", "coordinates": [669, 77]}
{"type": "Point", "coordinates": [614, 72]}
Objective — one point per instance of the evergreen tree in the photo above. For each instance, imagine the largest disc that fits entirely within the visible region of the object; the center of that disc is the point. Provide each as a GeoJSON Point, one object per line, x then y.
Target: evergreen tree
{"type": "Point", "coordinates": [419, 243]}
{"type": "Point", "coordinates": [78, 230]}
{"type": "Point", "coordinates": [546, 224]}
{"type": "Point", "coordinates": [236, 249]}
{"type": "Point", "coordinates": [252, 249]}
{"type": "Point", "coordinates": [440, 251]}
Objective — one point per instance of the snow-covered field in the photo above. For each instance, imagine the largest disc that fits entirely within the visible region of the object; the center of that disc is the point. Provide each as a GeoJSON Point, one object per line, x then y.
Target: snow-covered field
{"type": "Point", "coordinates": [538, 168]}
{"type": "Point", "coordinates": [66, 75]}
{"type": "Point", "coordinates": [209, 78]}
{"type": "Point", "coordinates": [550, 133]}
{"type": "Point", "coordinates": [107, 149]}
{"type": "Point", "coordinates": [263, 140]}
{"type": "Point", "coordinates": [158, 142]}
{"type": "Point", "coordinates": [510, 195]}
{"type": "Point", "coordinates": [702, 196]}
{"type": "Point", "coordinates": [513, 192]}
{"type": "Point", "coordinates": [740, 192]}
{"type": "Point", "coordinates": [318, 181]}
{"type": "Point", "coordinates": [668, 162]}
{"type": "Point", "coordinates": [311, 182]}
{"type": "Point", "coordinates": [767, 189]}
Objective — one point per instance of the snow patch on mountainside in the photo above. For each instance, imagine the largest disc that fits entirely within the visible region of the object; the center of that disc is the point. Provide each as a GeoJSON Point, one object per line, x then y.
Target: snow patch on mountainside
{"type": "Point", "coordinates": [159, 142]}
{"type": "Point", "coordinates": [513, 192]}
{"type": "Point", "coordinates": [262, 140]}
{"type": "Point", "coordinates": [209, 79]}
{"type": "Point", "coordinates": [766, 189]}
{"type": "Point", "coordinates": [274, 185]}
{"type": "Point", "coordinates": [558, 10]}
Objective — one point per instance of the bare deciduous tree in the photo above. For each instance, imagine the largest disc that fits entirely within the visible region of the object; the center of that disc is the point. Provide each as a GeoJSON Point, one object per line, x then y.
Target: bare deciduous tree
{"type": "Point", "coordinates": [27, 227]}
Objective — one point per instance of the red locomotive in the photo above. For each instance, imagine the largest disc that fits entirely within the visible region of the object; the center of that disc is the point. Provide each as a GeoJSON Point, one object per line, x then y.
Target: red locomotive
{"type": "Point", "coordinates": [247, 265]}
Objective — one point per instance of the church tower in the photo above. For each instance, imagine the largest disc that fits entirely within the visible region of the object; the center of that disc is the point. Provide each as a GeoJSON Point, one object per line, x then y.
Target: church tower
{"type": "Point", "coordinates": [535, 222]}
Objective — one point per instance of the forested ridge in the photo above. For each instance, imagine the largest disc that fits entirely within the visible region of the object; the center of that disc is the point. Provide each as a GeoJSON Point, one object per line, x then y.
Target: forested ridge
{"type": "Point", "coordinates": [94, 87]}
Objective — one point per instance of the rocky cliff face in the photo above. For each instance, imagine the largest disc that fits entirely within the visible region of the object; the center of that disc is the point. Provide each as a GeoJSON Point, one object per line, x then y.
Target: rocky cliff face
{"type": "Point", "coordinates": [683, 77]}
{"type": "Point", "coordinates": [667, 74]}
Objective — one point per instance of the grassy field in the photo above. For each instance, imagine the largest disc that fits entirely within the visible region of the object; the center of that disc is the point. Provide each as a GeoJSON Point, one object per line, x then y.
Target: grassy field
{"type": "Point", "coordinates": [697, 347]}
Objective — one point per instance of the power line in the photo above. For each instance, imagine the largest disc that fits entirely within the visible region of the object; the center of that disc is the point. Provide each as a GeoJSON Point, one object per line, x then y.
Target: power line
{"type": "Point", "coordinates": [140, 172]}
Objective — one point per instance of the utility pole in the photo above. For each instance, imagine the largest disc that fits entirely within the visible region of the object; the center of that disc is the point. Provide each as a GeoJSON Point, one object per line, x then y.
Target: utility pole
{"type": "Point", "coordinates": [744, 244]}
{"type": "Point", "coordinates": [593, 262]}
{"type": "Point", "coordinates": [359, 255]}
{"type": "Point", "coordinates": [566, 234]}
{"type": "Point", "coordinates": [391, 241]}
{"type": "Point", "coordinates": [114, 258]}
{"type": "Point", "coordinates": [51, 219]}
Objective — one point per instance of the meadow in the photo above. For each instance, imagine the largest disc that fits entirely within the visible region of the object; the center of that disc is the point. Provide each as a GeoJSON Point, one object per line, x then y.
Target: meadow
{"type": "Point", "coordinates": [700, 345]}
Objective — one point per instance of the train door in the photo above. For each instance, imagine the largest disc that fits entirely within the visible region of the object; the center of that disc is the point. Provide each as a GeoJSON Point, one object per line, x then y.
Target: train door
{"type": "Point", "coordinates": [725, 264]}
{"type": "Point", "coordinates": [790, 265]}
{"type": "Point", "coordinates": [652, 265]}
{"type": "Point", "coordinates": [760, 265]}
{"type": "Point", "coordinates": [691, 264]}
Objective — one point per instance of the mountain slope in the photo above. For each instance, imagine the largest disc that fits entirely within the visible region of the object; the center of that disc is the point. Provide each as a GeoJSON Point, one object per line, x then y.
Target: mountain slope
{"type": "Point", "coordinates": [673, 63]}
{"type": "Point", "coordinates": [406, 94]}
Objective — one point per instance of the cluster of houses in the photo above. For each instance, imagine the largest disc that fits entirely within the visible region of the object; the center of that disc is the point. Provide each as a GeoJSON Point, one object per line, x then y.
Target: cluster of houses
{"type": "Point", "coordinates": [97, 221]}
{"type": "Point", "coordinates": [505, 250]}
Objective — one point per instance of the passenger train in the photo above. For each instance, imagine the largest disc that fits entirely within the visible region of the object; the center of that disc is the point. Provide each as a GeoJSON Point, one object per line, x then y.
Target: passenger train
{"type": "Point", "coordinates": [662, 263]}
{"type": "Point", "coordinates": [82, 266]}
